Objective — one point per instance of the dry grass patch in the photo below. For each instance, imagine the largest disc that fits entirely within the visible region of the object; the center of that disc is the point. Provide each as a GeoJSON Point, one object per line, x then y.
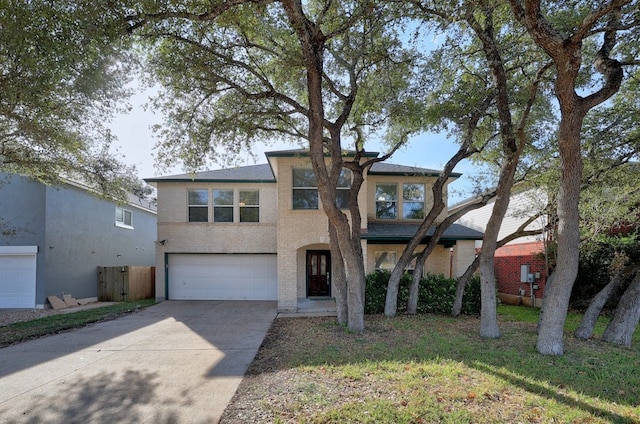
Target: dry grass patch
{"type": "Point", "coordinates": [426, 369]}
{"type": "Point", "coordinates": [18, 332]}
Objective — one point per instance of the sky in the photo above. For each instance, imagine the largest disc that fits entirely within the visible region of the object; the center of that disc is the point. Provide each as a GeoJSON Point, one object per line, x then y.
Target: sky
{"type": "Point", "coordinates": [135, 142]}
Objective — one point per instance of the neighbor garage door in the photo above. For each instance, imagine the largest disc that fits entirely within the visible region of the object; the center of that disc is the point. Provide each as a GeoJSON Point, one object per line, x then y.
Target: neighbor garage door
{"type": "Point", "coordinates": [223, 277]}
{"type": "Point", "coordinates": [18, 276]}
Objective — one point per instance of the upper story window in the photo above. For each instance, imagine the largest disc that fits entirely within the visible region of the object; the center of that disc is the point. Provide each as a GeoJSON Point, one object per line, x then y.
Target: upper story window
{"type": "Point", "coordinates": [249, 206]}
{"type": "Point", "coordinates": [413, 201]}
{"type": "Point", "coordinates": [124, 218]}
{"type": "Point", "coordinates": [198, 200]}
{"type": "Point", "coordinates": [343, 186]}
{"type": "Point", "coordinates": [305, 189]}
{"type": "Point", "coordinates": [229, 205]}
{"type": "Point", "coordinates": [387, 201]}
{"type": "Point", "coordinates": [222, 205]}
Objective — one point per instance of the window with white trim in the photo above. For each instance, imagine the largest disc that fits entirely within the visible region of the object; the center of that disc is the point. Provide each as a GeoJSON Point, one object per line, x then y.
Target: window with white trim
{"type": "Point", "coordinates": [413, 201]}
{"type": "Point", "coordinates": [249, 204]}
{"type": "Point", "coordinates": [342, 189]}
{"type": "Point", "coordinates": [222, 205]}
{"type": "Point", "coordinates": [124, 218]}
{"type": "Point", "coordinates": [387, 201]}
{"type": "Point", "coordinates": [198, 205]}
{"type": "Point", "coordinates": [305, 189]}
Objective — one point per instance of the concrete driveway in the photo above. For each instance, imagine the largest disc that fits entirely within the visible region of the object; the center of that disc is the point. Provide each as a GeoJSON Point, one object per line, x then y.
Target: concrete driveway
{"type": "Point", "coordinates": [175, 362]}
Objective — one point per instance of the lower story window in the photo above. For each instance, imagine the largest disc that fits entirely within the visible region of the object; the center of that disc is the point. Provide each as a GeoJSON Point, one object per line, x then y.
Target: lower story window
{"type": "Point", "coordinates": [385, 260]}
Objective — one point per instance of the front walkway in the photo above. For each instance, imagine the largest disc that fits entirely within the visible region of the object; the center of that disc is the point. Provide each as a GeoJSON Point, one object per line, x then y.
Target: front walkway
{"type": "Point", "coordinates": [310, 307]}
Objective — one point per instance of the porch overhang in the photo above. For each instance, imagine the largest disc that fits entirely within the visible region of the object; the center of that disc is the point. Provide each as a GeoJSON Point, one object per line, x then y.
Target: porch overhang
{"type": "Point", "coordinates": [402, 233]}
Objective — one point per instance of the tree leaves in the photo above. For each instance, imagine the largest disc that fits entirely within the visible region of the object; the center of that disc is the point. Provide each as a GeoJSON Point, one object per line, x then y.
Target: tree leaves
{"type": "Point", "coordinates": [62, 75]}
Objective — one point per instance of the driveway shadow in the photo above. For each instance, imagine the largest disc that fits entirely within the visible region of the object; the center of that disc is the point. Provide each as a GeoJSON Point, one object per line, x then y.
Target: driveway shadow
{"type": "Point", "coordinates": [103, 398]}
{"type": "Point", "coordinates": [144, 367]}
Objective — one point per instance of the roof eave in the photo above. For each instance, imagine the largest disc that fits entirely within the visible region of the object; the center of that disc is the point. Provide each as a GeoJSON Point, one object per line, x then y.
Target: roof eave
{"type": "Point", "coordinates": [414, 174]}
{"type": "Point", "coordinates": [206, 180]}
{"type": "Point", "coordinates": [305, 153]}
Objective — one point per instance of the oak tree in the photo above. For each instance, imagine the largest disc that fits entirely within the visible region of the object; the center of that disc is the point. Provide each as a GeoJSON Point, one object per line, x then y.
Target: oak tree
{"type": "Point", "coordinates": [603, 35]}
{"type": "Point", "coordinates": [328, 74]}
{"type": "Point", "coordinates": [62, 75]}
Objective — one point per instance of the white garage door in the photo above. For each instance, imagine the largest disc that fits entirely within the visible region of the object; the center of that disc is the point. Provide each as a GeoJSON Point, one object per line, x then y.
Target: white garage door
{"type": "Point", "coordinates": [223, 277]}
{"type": "Point", "coordinates": [18, 276]}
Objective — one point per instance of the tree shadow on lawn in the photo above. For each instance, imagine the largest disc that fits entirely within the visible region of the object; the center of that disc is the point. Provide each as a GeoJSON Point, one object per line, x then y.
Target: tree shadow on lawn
{"type": "Point", "coordinates": [539, 389]}
{"type": "Point", "coordinates": [588, 368]}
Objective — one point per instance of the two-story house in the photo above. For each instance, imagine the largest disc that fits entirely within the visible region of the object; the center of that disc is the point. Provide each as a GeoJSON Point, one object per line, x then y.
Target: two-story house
{"type": "Point", "coordinates": [259, 232]}
{"type": "Point", "coordinates": [53, 239]}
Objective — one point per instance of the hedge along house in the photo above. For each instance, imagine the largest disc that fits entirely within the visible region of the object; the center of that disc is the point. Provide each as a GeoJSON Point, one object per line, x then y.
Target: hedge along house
{"type": "Point", "coordinates": [259, 232]}
{"type": "Point", "coordinates": [52, 239]}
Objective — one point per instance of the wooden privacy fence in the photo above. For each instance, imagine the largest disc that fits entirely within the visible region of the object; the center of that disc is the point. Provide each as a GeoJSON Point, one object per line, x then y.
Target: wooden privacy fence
{"type": "Point", "coordinates": [126, 283]}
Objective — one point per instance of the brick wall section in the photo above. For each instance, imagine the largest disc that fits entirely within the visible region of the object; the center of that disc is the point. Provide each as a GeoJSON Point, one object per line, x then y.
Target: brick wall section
{"type": "Point", "coordinates": [508, 260]}
{"type": "Point", "coordinates": [297, 231]}
{"type": "Point", "coordinates": [282, 230]}
{"type": "Point", "coordinates": [437, 262]}
{"type": "Point", "coordinates": [211, 237]}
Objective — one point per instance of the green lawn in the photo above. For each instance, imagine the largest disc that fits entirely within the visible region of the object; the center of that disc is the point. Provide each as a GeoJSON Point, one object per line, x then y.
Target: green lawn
{"type": "Point", "coordinates": [21, 331]}
{"type": "Point", "coordinates": [435, 369]}
{"type": "Point", "coordinates": [415, 369]}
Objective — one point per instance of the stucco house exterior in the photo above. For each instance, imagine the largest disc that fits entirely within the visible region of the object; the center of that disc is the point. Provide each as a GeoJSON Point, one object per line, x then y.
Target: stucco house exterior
{"type": "Point", "coordinates": [52, 239]}
{"type": "Point", "coordinates": [259, 232]}
{"type": "Point", "coordinates": [520, 266]}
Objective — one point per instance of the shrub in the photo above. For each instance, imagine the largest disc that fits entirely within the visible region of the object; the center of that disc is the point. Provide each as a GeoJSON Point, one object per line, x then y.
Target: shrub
{"type": "Point", "coordinates": [596, 256]}
{"type": "Point", "coordinates": [436, 294]}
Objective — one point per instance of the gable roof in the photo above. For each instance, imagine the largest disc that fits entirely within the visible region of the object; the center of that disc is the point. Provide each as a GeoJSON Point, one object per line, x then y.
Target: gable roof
{"type": "Point", "coordinates": [67, 182]}
{"type": "Point", "coordinates": [264, 174]}
{"type": "Point", "coordinates": [384, 168]}
{"type": "Point", "coordinates": [305, 153]}
{"type": "Point", "coordinates": [247, 174]}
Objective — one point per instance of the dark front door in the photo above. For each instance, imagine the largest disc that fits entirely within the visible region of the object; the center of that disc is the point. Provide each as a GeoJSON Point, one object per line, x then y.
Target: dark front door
{"type": "Point", "coordinates": [318, 273]}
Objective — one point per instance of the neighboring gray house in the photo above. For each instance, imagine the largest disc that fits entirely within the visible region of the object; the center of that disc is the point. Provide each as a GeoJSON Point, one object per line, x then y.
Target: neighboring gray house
{"type": "Point", "coordinates": [52, 239]}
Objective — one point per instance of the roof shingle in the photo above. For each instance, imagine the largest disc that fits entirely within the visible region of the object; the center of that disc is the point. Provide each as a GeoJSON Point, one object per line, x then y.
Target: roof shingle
{"type": "Point", "coordinates": [263, 173]}
{"type": "Point", "coordinates": [402, 232]}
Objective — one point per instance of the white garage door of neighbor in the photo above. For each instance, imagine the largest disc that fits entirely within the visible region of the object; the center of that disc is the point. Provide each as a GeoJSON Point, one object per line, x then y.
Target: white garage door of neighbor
{"type": "Point", "coordinates": [223, 277]}
{"type": "Point", "coordinates": [18, 276]}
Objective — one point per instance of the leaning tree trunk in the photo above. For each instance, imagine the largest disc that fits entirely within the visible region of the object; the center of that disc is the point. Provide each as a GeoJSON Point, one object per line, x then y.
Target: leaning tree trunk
{"type": "Point", "coordinates": [414, 289]}
{"type": "Point", "coordinates": [338, 277]}
{"type": "Point", "coordinates": [456, 310]}
{"type": "Point", "coordinates": [489, 303]}
{"type": "Point", "coordinates": [391, 301]}
{"type": "Point", "coordinates": [585, 329]}
{"type": "Point", "coordinates": [625, 320]}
